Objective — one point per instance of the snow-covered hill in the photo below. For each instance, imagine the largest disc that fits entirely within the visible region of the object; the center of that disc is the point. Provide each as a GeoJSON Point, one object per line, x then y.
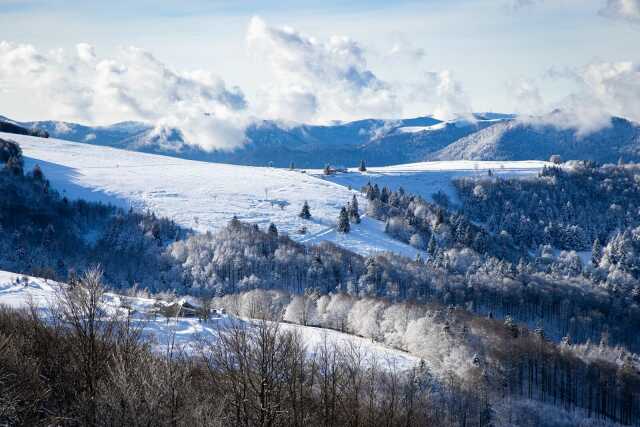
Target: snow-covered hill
{"type": "Point", "coordinates": [20, 291]}
{"type": "Point", "coordinates": [427, 178]}
{"type": "Point", "coordinates": [205, 196]}
{"type": "Point", "coordinates": [520, 140]}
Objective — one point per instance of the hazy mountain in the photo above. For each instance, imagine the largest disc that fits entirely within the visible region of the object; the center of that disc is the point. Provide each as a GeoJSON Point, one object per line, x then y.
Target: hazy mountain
{"type": "Point", "coordinates": [516, 140]}
{"type": "Point", "coordinates": [379, 142]}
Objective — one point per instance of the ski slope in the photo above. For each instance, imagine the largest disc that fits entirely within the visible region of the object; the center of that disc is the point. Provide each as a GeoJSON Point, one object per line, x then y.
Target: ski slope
{"type": "Point", "coordinates": [427, 178]}
{"type": "Point", "coordinates": [204, 196]}
{"type": "Point", "coordinates": [20, 291]}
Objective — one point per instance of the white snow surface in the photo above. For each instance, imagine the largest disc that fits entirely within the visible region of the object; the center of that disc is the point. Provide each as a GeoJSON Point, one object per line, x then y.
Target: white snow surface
{"type": "Point", "coordinates": [427, 178]}
{"type": "Point", "coordinates": [202, 195]}
{"type": "Point", "coordinates": [20, 291]}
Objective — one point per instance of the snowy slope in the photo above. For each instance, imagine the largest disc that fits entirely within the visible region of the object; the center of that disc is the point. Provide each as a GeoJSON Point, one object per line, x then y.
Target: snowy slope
{"type": "Point", "coordinates": [520, 140]}
{"type": "Point", "coordinates": [426, 178]}
{"type": "Point", "coordinates": [187, 332]}
{"type": "Point", "coordinates": [202, 195]}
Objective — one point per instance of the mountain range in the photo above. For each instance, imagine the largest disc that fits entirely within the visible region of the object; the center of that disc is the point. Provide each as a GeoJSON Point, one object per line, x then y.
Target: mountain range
{"type": "Point", "coordinates": [490, 136]}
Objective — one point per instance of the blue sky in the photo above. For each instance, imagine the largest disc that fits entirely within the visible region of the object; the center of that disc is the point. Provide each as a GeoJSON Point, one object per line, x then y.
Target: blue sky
{"type": "Point", "coordinates": [502, 55]}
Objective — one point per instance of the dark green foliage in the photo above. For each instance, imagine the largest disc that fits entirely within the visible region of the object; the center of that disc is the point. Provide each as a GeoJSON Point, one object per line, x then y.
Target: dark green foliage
{"type": "Point", "coordinates": [305, 212]}
{"type": "Point", "coordinates": [343, 221]}
{"type": "Point", "coordinates": [352, 210]}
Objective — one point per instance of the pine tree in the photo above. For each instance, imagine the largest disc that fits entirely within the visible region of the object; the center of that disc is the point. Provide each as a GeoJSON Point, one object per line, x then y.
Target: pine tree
{"type": "Point", "coordinates": [15, 165]}
{"type": "Point", "coordinates": [363, 166]}
{"type": "Point", "coordinates": [234, 223]}
{"type": "Point", "coordinates": [354, 214]}
{"type": "Point", "coordinates": [305, 213]}
{"type": "Point", "coordinates": [273, 231]}
{"type": "Point", "coordinates": [37, 173]}
{"type": "Point", "coordinates": [596, 253]}
{"type": "Point", "coordinates": [343, 221]}
{"type": "Point", "coordinates": [376, 191]}
{"type": "Point", "coordinates": [432, 247]}
{"type": "Point", "coordinates": [384, 195]}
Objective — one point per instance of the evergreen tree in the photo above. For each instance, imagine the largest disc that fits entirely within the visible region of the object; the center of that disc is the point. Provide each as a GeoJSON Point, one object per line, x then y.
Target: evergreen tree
{"type": "Point", "coordinates": [384, 195]}
{"type": "Point", "coordinates": [354, 214]}
{"type": "Point", "coordinates": [273, 231]}
{"type": "Point", "coordinates": [234, 223]}
{"type": "Point", "coordinates": [305, 213]}
{"type": "Point", "coordinates": [15, 165]}
{"type": "Point", "coordinates": [363, 166]}
{"type": "Point", "coordinates": [343, 221]}
{"type": "Point", "coordinates": [432, 247]}
{"type": "Point", "coordinates": [596, 253]}
{"type": "Point", "coordinates": [376, 192]}
{"type": "Point", "coordinates": [37, 173]}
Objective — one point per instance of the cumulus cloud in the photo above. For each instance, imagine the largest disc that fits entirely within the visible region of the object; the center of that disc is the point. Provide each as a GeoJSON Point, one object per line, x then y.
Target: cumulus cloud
{"type": "Point", "coordinates": [527, 97]}
{"type": "Point", "coordinates": [604, 89]}
{"type": "Point", "coordinates": [627, 10]}
{"type": "Point", "coordinates": [318, 80]}
{"type": "Point", "coordinates": [132, 86]}
{"type": "Point", "coordinates": [452, 100]}
{"type": "Point", "coordinates": [403, 48]}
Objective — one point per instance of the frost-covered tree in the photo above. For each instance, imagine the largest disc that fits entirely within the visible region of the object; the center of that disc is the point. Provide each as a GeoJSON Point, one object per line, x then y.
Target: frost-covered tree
{"type": "Point", "coordinates": [596, 253]}
{"type": "Point", "coordinates": [354, 214]}
{"type": "Point", "coordinates": [343, 221]}
{"type": "Point", "coordinates": [305, 213]}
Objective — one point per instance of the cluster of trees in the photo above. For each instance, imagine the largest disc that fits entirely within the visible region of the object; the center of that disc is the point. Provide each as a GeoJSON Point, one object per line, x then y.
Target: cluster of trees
{"type": "Point", "coordinates": [566, 208]}
{"type": "Point", "coordinates": [47, 235]}
{"type": "Point", "coordinates": [81, 367]}
{"type": "Point", "coordinates": [433, 228]}
{"type": "Point", "coordinates": [501, 361]}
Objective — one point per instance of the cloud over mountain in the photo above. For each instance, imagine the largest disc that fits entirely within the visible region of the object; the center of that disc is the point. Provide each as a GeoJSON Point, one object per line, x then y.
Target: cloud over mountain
{"type": "Point", "coordinates": [318, 80]}
{"type": "Point", "coordinates": [132, 86]}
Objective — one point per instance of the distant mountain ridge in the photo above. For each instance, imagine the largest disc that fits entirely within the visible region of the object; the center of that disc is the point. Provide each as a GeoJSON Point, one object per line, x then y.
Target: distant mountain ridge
{"type": "Point", "coordinates": [492, 136]}
{"type": "Point", "coordinates": [379, 142]}
{"type": "Point", "coordinates": [10, 126]}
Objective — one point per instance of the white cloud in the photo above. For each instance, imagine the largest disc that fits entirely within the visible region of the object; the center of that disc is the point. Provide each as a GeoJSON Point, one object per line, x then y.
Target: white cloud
{"type": "Point", "coordinates": [452, 100]}
{"type": "Point", "coordinates": [318, 80]}
{"type": "Point", "coordinates": [86, 52]}
{"type": "Point", "coordinates": [132, 86]}
{"type": "Point", "coordinates": [527, 97]}
{"type": "Point", "coordinates": [628, 10]}
{"type": "Point", "coordinates": [404, 48]}
{"type": "Point", "coordinates": [604, 89]}
{"type": "Point", "coordinates": [313, 81]}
